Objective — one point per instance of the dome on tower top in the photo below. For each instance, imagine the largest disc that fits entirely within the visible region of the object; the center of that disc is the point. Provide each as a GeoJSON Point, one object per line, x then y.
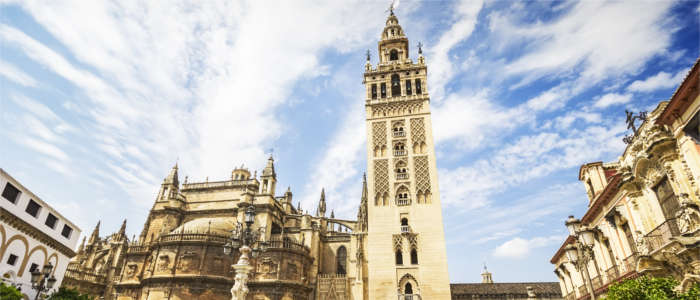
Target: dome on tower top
{"type": "Point", "coordinates": [392, 30]}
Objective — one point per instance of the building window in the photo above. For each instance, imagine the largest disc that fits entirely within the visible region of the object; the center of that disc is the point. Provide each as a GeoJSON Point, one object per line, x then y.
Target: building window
{"type": "Point", "coordinates": [401, 171]}
{"type": "Point", "coordinates": [12, 260]}
{"type": "Point", "coordinates": [10, 192]}
{"type": "Point", "coordinates": [66, 231]}
{"type": "Point", "coordinates": [414, 256]}
{"type": "Point", "coordinates": [341, 260]}
{"type": "Point", "coordinates": [667, 199]}
{"type": "Point", "coordinates": [693, 128]}
{"type": "Point", "coordinates": [629, 237]}
{"type": "Point", "coordinates": [395, 85]}
{"type": "Point", "coordinates": [33, 208]}
{"type": "Point", "coordinates": [408, 289]}
{"type": "Point", "coordinates": [408, 87]}
{"type": "Point", "coordinates": [418, 87]}
{"type": "Point", "coordinates": [382, 89]}
{"type": "Point", "coordinates": [393, 54]}
{"type": "Point", "coordinates": [404, 225]}
{"type": "Point", "coordinates": [33, 267]}
{"type": "Point", "coordinates": [374, 91]}
{"type": "Point", "coordinates": [399, 257]}
{"type": "Point", "coordinates": [51, 221]}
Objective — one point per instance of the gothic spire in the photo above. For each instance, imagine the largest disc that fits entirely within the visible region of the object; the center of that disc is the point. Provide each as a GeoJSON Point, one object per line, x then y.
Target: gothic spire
{"type": "Point", "coordinates": [82, 246]}
{"type": "Point", "coordinates": [362, 211]}
{"type": "Point", "coordinates": [269, 168]}
{"type": "Point", "coordinates": [122, 230]}
{"type": "Point", "coordinates": [332, 214]}
{"type": "Point", "coordinates": [322, 204]}
{"type": "Point", "coordinates": [172, 177]}
{"type": "Point", "coordinates": [95, 234]}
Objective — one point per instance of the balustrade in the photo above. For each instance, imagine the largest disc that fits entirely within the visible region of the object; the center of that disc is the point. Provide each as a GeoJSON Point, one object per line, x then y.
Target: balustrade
{"type": "Point", "coordinates": [405, 229]}
{"type": "Point", "coordinates": [400, 176]}
{"type": "Point", "coordinates": [400, 133]}
{"type": "Point", "coordinates": [662, 234]}
{"type": "Point", "coordinates": [399, 152]}
{"type": "Point", "coordinates": [597, 282]}
{"type": "Point", "coordinates": [630, 264]}
{"type": "Point", "coordinates": [403, 202]}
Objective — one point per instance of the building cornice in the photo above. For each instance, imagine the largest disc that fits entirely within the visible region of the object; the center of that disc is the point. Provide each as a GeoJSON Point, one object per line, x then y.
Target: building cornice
{"type": "Point", "coordinates": [26, 228]}
{"type": "Point", "coordinates": [682, 97]}
{"type": "Point", "coordinates": [602, 199]}
{"type": "Point", "coordinates": [560, 251]}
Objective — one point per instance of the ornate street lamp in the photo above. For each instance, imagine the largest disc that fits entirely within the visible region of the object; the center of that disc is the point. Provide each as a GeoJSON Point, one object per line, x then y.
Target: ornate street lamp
{"type": "Point", "coordinates": [581, 252]}
{"type": "Point", "coordinates": [41, 282]}
{"type": "Point", "coordinates": [242, 239]}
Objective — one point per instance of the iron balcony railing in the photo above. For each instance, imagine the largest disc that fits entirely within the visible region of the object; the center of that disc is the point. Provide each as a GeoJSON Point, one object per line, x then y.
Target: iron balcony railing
{"type": "Point", "coordinates": [662, 234]}
{"type": "Point", "coordinates": [400, 176]}
{"type": "Point", "coordinates": [400, 133]}
{"type": "Point", "coordinates": [410, 297]}
{"type": "Point", "coordinates": [630, 264]}
{"type": "Point", "coordinates": [399, 152]}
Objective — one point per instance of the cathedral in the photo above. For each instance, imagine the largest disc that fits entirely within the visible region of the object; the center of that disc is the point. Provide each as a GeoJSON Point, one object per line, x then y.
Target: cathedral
{"type": "Point", "coordinates": [395, 249]}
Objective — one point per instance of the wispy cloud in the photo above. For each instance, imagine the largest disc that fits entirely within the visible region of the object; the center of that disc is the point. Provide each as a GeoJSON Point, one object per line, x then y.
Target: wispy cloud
{"type": "Point", "coordinates": [12, 73]}
{"type": "Point", "coordinates": [661, 80]}
{"type": "Point", "coordinates": [518, 248]}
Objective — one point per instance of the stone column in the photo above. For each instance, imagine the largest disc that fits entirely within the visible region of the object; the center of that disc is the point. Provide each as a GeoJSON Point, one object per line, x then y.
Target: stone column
{"type": "Point", "coordinates": [239, 291]}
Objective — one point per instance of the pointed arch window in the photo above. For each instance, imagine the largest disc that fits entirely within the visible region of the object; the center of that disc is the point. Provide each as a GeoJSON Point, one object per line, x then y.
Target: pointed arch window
{"type": "Point", "coordinates": [399, 257]}
{"type": "Point", "coordinates": [414, 256]}
{"type": "Point", "coordinates": [341, 260]}
{"type": "Point", "coordinates": [395, 85]}
{"type": "Point", "coordinates": [419, 89]}
{"type": "Point", "coordinates": [401, 171]}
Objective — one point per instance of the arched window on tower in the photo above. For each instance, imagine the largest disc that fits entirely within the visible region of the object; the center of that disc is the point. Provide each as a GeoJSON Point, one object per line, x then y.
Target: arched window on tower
{"type": "Point", "coordinates": [394, 54]}
{"type": "Point", "coordinates": [395, 85]}
{"type": "Point", "coordinates": [402, 196]}
{"type": "Point", "coordinates": [341, 260]}
{"type": "Point", "coordinates": [408, 289]}
{"type": "Point", "coordinates": [414, 256]}
{"type": "Point", "coordinates": [399, 257]}
{"type": "Point", "coordinates": [401, 171]}
{"type": "Point", "coordinates": [404, 225]}
{"type": "Point", "coordinates": [419, 89]}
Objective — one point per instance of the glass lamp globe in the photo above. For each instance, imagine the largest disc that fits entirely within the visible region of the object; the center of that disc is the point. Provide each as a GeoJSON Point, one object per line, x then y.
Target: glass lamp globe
{"type": "Point", "coordinates": [588, 236]}
{"type": "Point", "coordinates": [47, 269]}
{"type": "Point", "coordinates": [51, 282]}
{"type": "Point", "coordinates": [573, 225]}
{"type": "Point", "coordinates": [571, 253]}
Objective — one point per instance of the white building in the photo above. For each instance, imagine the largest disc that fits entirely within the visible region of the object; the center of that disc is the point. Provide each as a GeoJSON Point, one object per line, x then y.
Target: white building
{"type": "Point", "coordinates": [32, 234]}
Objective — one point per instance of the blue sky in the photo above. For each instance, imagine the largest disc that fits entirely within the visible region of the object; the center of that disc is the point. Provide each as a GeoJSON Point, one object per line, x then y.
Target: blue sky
{"type": "Point", "coordinates": [99, 99]}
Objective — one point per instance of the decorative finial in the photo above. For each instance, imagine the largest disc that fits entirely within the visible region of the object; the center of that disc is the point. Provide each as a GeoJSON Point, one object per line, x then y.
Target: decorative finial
{"type": "Point", "coordinates": [420, 48]}
{"type": "Point", "coordinates": [392, 6]}
{"type": "Point", "coordinates": [369, 55]}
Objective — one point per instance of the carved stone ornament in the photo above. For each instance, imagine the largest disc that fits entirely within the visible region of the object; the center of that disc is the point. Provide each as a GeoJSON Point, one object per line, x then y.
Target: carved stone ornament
{"type": "Point", "coordinates": [163, 262]}
{"type": "Point", "coordinates": [688, 216]}
{"type": "Point", "coordinates": [642, 245]}
{"type": "Point", "coordinates": [131, 270]}
{"type": "Point", "coordinates": [239, 291]}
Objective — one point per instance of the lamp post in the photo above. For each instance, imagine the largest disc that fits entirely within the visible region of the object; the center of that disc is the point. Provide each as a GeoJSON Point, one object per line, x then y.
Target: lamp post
{"type": "Point", "coordinates": [582, 251]}
{"type": "Point", "coordinates": [41, 282]}
{"type": "Point", "coordinates": [242, 239]}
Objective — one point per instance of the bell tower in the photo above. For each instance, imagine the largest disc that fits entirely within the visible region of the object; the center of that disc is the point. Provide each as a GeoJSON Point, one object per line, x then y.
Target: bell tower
{"type": "Point", "coordinates": [405, 235]}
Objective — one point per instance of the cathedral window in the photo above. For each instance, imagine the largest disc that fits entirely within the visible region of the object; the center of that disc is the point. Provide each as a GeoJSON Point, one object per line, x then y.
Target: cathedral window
{"type": "Point", "coordinates": [374, 91]}
{"type": "Point", "coordinates": [398, 130]}
{"type": "Point", "coordinates": [402, 196]}
{"type": "Point", "coordinates": [394, 54]}
{"type": "Point", "coordinates": [418, 87]}
{"type": "Point", "coordinates": [395, 85]}
{"type": "Point", "coordinates": [399, 257]}
{"type": "Point", "coordinates": [408, 87]}
{"type": "Point", "coordinates": [276, 229]}
{"type": "Point", "coordinates": [399, 149]}
{"type": "Point", "coordinates": [382, 88]}
{"type": "Point", "coordinates": [414, 256]}
{"type": "Point", "coordinates": [408, 289]}
{"type": "Point", "coordinates": [404, 225]}
{"type": "Point", "coordinates": [341, 260]}
{"type": "Point", "coordinates": [401, 171]}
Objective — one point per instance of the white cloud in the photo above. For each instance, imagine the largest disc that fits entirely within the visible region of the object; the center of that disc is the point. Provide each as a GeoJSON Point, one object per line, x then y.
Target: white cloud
{"type": "Point", "coordinates": [517, 248]}
{"type": "Point", "coordinates": [661, 80]}
{"type": "Point", "coordinates": [612, 99]}
{"type": "Point", "coordinates": [592, 40]}
{"type": "Point", "coordinates": [466, 13]}
{"type": "Point", "coordinates": [12, 73]}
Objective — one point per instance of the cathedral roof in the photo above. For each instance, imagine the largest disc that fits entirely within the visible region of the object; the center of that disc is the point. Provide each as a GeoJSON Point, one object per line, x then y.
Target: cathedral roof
{"type": "Point", "coordinates": [218, 226]}
{"type": "Point", "coordinates": [541, 289]}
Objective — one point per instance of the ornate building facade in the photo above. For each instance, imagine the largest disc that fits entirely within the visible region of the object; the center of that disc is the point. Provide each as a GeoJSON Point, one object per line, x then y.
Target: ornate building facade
{"type": "Point", "coordinates": [644, 208]}
{"type": "Point", "coordinates": [395, 248]}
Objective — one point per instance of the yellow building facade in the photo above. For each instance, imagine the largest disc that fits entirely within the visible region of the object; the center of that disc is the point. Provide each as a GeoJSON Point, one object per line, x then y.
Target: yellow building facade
{"type": "Point", "coordinates": [395, 249]}
{"type": "Point", "coordinates": [643, 209]}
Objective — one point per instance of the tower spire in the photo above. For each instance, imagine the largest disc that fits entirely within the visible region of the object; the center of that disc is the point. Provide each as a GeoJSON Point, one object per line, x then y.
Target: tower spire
{"type": "Point", "coordinates": [95, 234]}
{"type": "Point", "coordinates": [362, 211]}
{"type": "Point", "coordinates": [172, 177]}
{"type": "Point", "coordinates": [122, 230]}
{"type": "Point", "coordinates": [322, 204]}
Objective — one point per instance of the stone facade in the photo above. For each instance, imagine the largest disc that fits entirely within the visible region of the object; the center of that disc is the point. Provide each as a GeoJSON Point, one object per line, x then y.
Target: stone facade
{"type": "Point", "coordinates": [405, 242]}
{"type": "Point", "coordinates": [179, 253]}
{"type": "Point", "coordinates": [643, 207]}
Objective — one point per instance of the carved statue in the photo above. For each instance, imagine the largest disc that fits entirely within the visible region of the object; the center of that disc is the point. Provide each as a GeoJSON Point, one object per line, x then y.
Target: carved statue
{"type": "Point", "coordinates": [164, 262]}
{"type": "Point", "coordinates": [131, 270]}
{"type": "Point", "coordinates": [642, 245]}
{"type": "Point", "coordinates": [688, 216]}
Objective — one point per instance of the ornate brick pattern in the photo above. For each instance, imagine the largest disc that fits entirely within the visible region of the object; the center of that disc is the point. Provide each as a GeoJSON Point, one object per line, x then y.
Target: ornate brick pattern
{"type": "Point", "coordinates": [379, 134]}
{"type": "Point", "coordinates": [381, 176]}
{"type": "Point", "coordinates": [420, 163]}
{"type": "Point", "coordinates": [398, 242]}
{"type": "Point", "coordinates": [417, 130]}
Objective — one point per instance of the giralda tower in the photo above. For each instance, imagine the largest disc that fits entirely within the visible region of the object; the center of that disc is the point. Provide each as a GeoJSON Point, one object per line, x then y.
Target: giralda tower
{"type": "Point", "coordinates": [405, 238]}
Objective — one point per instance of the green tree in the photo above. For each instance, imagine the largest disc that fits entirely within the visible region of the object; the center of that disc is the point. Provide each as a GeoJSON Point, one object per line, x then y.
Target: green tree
{"type": "Point", "coordinates": [8, 292]}
{"type": "Point", "coordinates": [650, 288]}
{"type": "Point", "coordinates": [68, 294]}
